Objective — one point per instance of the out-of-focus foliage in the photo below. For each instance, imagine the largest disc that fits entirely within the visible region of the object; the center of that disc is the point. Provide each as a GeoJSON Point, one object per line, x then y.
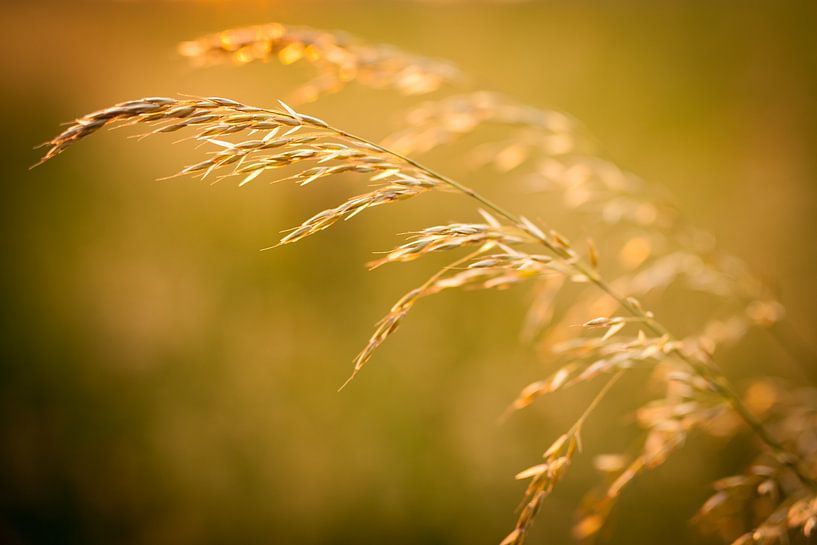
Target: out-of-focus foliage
{"type": "Point", "coordinates": [164, 382]}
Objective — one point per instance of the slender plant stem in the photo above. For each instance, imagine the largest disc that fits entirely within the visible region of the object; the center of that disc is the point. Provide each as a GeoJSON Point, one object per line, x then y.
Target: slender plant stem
{"type": "Point", "coordinates": [708, 372]}
{"type": "Point", "coordinates": [423, 291]}
{"type": "Point", "coordinates": [600, 395]}
{"type": "Point", "coordinates": [795, 346]}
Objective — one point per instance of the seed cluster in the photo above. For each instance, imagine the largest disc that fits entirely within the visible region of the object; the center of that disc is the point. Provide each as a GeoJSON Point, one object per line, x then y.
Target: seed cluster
{"type": "Point", "coordinates": [281, 138]}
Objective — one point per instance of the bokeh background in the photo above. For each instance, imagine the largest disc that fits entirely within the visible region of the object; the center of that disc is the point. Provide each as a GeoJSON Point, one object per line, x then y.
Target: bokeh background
{"type": "Point", "coordinates": [164, 382]}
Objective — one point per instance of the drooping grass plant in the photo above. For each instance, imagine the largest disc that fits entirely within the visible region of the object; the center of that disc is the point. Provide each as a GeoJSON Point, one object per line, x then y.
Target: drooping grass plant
{"type": "Point", "coordinates": [506, 248]}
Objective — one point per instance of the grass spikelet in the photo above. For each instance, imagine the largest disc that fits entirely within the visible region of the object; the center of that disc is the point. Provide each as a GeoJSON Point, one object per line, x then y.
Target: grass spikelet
{"type": "Point", "coordinates": [450, 237]}
{"type": "Point", "coordinates": [349, 209]}
{"type": "Point", "coordinates": [543, 477]}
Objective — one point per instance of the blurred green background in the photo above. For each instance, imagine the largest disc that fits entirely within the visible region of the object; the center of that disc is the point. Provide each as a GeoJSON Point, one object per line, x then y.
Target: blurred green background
{"type": "Point", "coordinates": [163, 382]}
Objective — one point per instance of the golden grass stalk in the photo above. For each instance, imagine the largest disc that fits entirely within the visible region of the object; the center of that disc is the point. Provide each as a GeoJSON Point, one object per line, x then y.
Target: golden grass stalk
{"type": "Point", "coordinates": [339, 57]}
{"type": "Point", "coordinates": [620, 195]}
{"type": "Point", "coordinates": [692, 398]}
{"type": "Point", "coordinates": [319, 142]}
{"type": "Point", "coordinates": [289, 139]}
